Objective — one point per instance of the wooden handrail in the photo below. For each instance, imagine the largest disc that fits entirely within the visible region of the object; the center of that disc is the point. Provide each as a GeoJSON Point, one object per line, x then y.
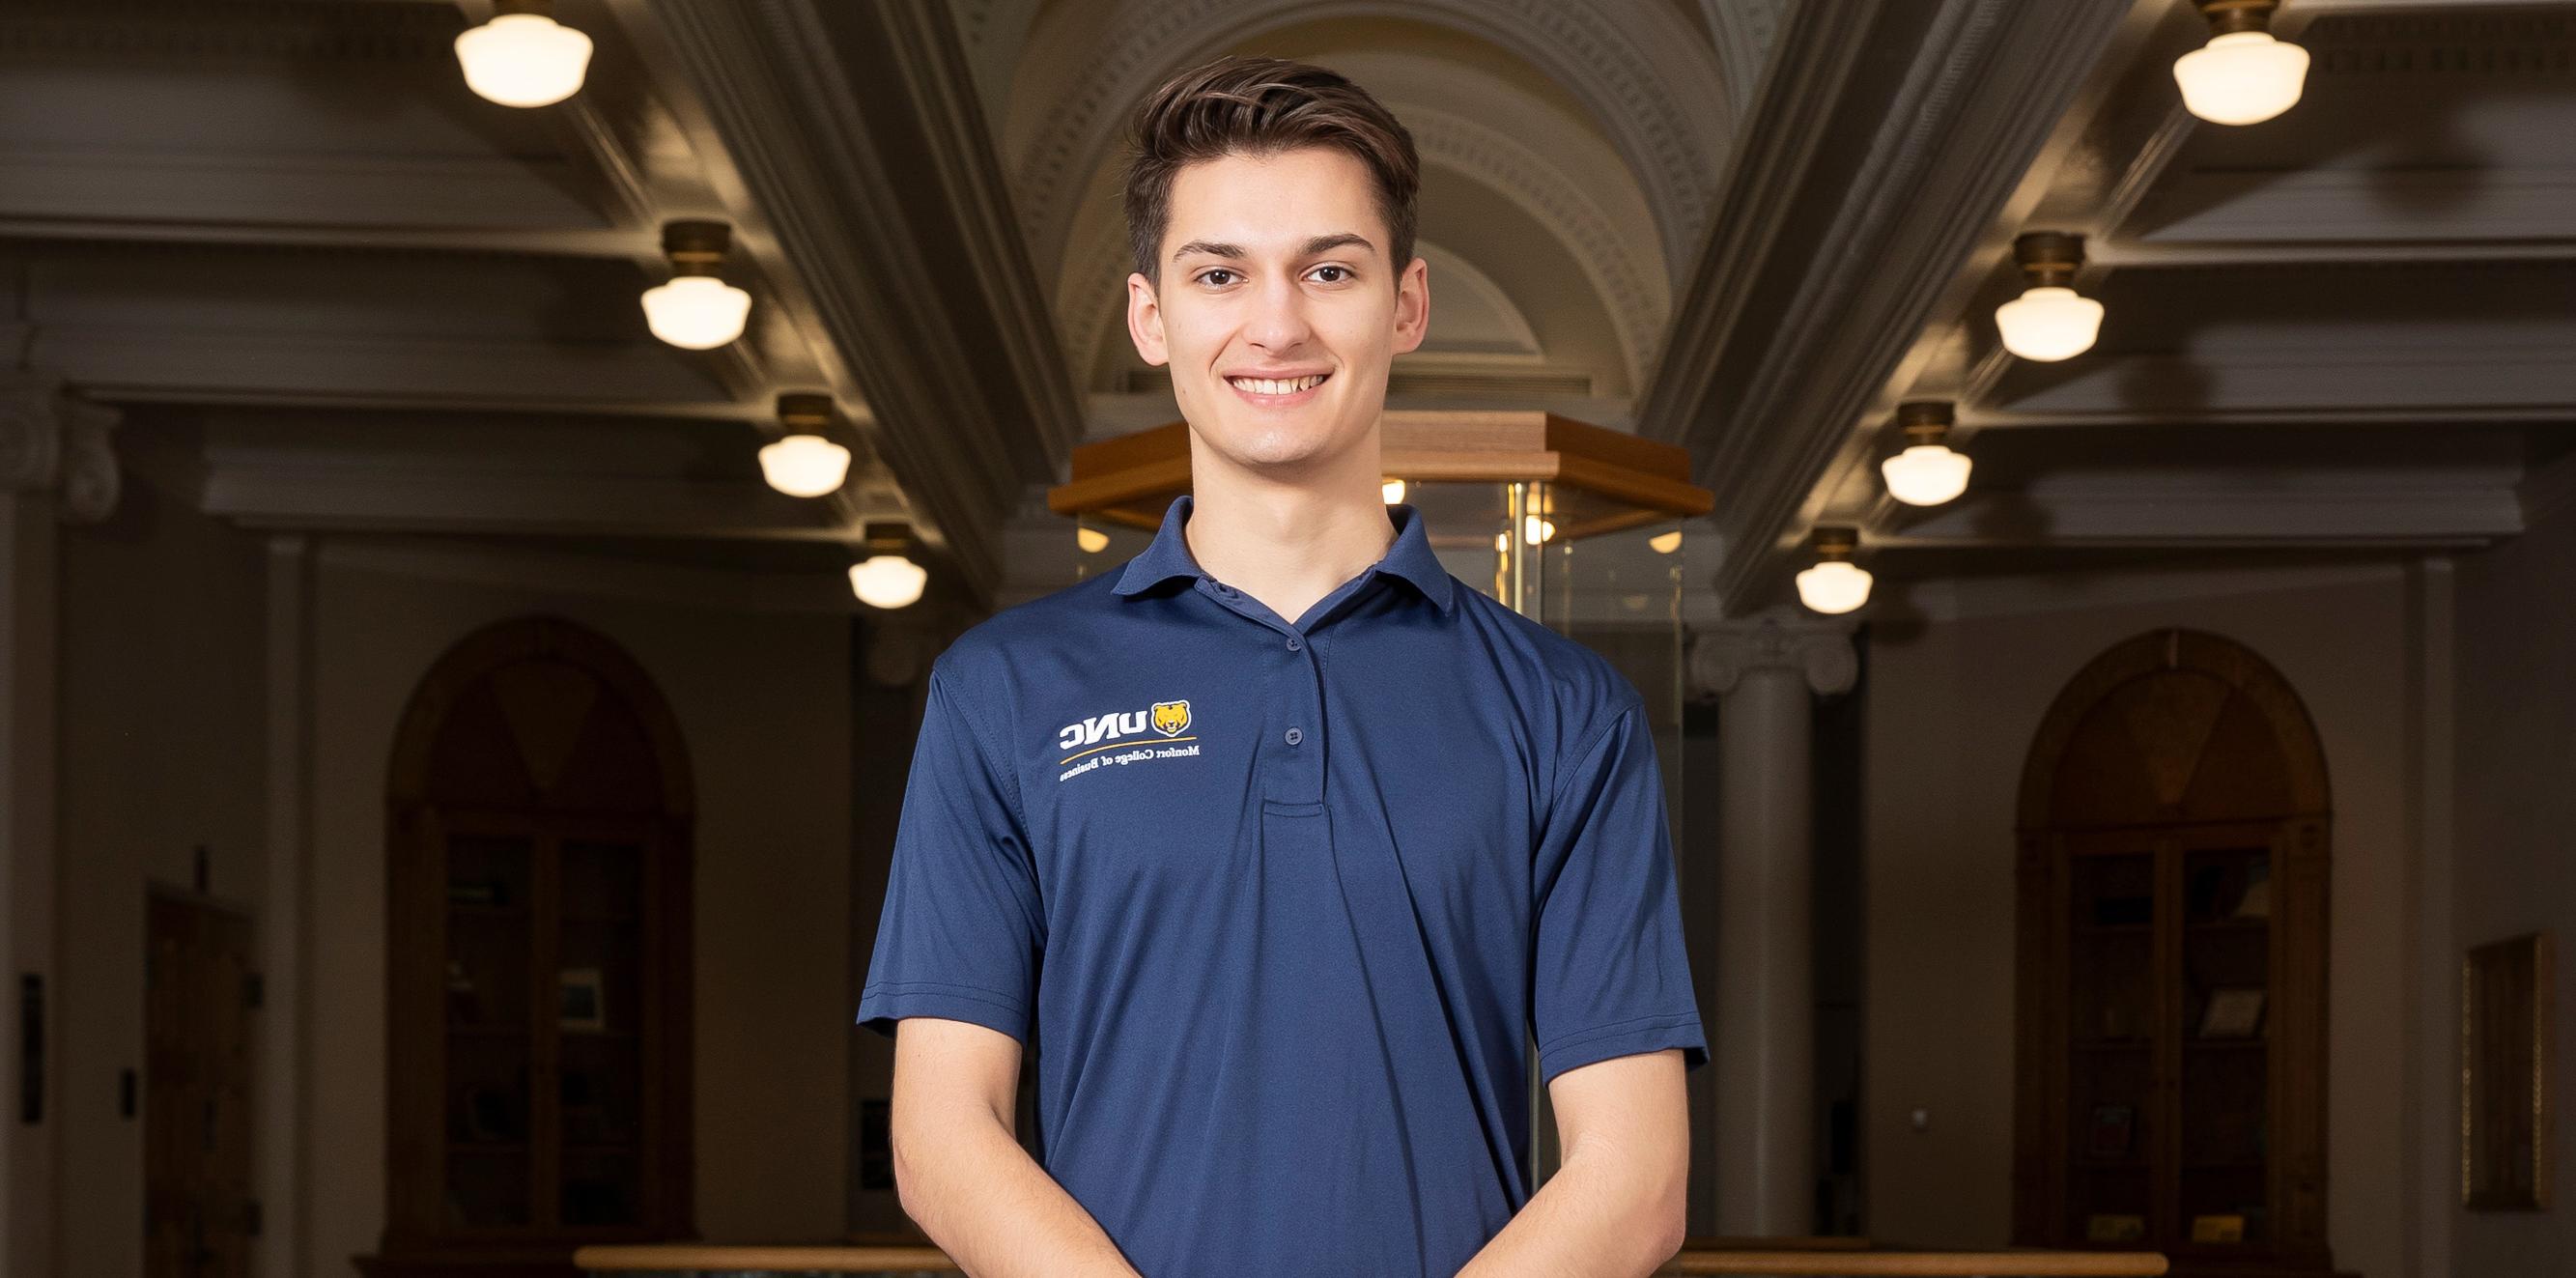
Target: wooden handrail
{"type": "Point", "coordinates": [1851, 1258]}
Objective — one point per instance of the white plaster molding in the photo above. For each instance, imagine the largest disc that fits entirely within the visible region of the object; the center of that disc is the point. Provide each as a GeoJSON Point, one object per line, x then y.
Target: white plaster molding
{"type": "Point", "coordinates": [1650, 81]}
{"type": "Point", "coordinates": [1628, 276]}
{"type": "Point", "coordinates": [401, 193]}
{"type": "Point", "coordinates": [52, 440]}
{"type": "Point", "coordinates": [545, 572]}
{"type": "Point", "coordinates": [1745, 32]}
{"type": "Point", "coordinates": [943, 324]}
{"type": "Point", "coordinates": [1768, 368]}
{"type": "Point", "coordinates": [2249, 507]}
{"type": "Point", "coordinates": [287, 31]}
{"type": "Point", "coordinates": [2041, 593]}
{"type": "Point", "coordinates": [1781, 637]}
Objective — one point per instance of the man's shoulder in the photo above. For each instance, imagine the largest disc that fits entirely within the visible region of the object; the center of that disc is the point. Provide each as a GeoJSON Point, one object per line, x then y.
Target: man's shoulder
{"type": "Point", "coordinates": [1583, 686]}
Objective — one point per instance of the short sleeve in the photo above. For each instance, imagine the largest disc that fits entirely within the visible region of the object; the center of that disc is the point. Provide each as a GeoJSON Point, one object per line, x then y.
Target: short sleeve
{"type": "Point", "coordinates": [962, 929]}
{"type": "Point", "coordinates": [1610, 975]}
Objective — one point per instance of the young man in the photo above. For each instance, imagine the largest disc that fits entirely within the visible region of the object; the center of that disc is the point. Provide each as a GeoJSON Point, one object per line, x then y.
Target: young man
{"type": "Point", "coordinates": [1272, 846]}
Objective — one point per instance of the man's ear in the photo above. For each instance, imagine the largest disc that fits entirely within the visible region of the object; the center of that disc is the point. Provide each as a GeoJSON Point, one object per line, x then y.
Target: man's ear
{"type": "Point", "coordinates": [1145, 320]}
{"type": "Point", "coordinates": [1412, 305]}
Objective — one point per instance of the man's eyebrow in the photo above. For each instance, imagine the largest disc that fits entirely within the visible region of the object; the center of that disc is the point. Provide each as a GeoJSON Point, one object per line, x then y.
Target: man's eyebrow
{"type": "Point", "coordinates": [1313, 246]}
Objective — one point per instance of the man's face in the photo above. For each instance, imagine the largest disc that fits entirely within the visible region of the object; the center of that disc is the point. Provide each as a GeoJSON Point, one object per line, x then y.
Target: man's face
{"type": "Point", "coordinates": [1275, 269]}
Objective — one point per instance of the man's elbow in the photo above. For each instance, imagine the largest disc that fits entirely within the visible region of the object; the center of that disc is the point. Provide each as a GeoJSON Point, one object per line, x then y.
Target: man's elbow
{"type": "Point", "coordinates": [1667, 1220]}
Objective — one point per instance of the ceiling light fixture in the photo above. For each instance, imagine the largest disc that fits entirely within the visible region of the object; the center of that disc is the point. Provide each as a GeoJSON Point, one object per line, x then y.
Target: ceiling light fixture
{"type": "Point", "coordinates": [801, 462]}
{"type": "Point", "coordinates": [1091, 540]}
{"type": "Point", "coordinates": [2243, 75]}
{"type": "Point", "coordinates": [1834, 584]}
{"type": "Point", "coordinates": [1927, 473]}
{"type": "Point", "coordinates": [2049, 321]}
{"type": "Point", "coordinates": [1392, 490]}
{"type": "Point", "coordinates": [1666, 543]}
{"type": "Point", "coordinates": [523, 57]}
{"type": "Point", "coordinates": [695, 310]}
{"type": "Point", "coordinates": [888, 578]}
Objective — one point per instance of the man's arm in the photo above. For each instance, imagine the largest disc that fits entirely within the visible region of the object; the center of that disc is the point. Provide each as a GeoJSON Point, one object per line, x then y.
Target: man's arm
{"type": "Point", "coordinates": [1614, 1206]}
{"type": "Point", "coordinates": [962, 1175]}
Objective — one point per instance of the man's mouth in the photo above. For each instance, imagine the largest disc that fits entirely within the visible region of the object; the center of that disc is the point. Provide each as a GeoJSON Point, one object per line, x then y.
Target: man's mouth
{"type": "Point", "coordinates": [1277, 386]}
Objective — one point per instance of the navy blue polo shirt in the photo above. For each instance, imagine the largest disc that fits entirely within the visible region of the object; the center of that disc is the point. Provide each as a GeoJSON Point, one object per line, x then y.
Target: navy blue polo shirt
{"type": "Point", "coordinates": [1272, 904]}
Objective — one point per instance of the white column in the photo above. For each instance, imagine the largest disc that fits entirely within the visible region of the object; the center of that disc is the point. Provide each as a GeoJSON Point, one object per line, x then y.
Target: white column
{"type": "Point", "coordinates": [1766, 668]}
{"type": "Point", "coordinates": [54, 465]}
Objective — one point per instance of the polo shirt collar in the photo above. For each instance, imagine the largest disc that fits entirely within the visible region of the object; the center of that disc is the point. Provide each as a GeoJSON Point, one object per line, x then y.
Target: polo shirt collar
{"type": "Point", "coordinates": [1410, 556]}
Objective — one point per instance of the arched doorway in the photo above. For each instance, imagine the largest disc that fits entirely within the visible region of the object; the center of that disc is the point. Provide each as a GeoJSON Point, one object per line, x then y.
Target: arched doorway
{"type": "Point", "coordinates": [537, 1005]}
{"type": "Point", "coordinates": [2170, 1007]}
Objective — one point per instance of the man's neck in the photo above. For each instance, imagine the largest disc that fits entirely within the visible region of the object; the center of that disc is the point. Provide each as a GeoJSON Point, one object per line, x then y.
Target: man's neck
{"type": "Point", "coordinates": [1287, 545]}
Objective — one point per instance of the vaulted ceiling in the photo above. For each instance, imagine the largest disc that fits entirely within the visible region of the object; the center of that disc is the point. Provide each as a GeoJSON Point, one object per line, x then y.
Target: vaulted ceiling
{"type": "Point", "coordinates": [300, 256]}
{"type": "Point", "coordinates": [2346, 331]}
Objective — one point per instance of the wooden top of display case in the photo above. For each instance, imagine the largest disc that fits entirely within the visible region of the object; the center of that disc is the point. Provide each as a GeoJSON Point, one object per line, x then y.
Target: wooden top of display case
{"type": "Point", "coordinates": [1129, 480]}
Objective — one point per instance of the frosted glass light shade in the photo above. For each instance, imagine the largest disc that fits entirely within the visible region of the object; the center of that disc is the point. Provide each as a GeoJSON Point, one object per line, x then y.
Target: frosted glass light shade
{"type": "Point", "coordinates": [523, 59]}
{"type": "Point", "coordinates": [804, 465]}
{"type": "Point", "coordinates": [1834, 586]}
{"type": "Point", "coordinates": [1535, 530]}
{"type": "Point", "coordinates": [1926, 474]}
{"type": "Point", "coordinates": [1666, 543]}
{"type": "Point", "coordinates": [887, 581]}
{"type": "Point", "coordinates": [2242, 77]}
{"type": "Point", "coordinates": [1392, 490]}
{"type": "Point", "coordinates": [696, 312]}
{"type": "Point", "coordinates": [2050, 322]}
{"type": "Point", "coordinates": [1091, 540]}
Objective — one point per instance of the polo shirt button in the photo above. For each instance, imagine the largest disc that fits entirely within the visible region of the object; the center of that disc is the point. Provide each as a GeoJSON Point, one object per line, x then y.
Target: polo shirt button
{"type": "Point", "coordinates": [1295, 643]}
{"type": "Point", "coordinates": [1293, 736]}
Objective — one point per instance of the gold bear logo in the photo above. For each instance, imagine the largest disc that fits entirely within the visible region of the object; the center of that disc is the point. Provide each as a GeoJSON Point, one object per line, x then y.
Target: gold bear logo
{"type": "Point", "coordinates": [1171, 718]}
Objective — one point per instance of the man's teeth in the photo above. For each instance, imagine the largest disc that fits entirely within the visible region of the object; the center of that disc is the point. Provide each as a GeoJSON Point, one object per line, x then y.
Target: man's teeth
{"type": "Point", "coordinates": [1273, 386]}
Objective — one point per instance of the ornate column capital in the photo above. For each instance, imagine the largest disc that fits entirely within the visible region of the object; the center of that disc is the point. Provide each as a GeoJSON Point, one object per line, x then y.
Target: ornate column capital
{"type": "Point", "coordinates": [51, 440]}
{"type": "Point", "coordinates": [1777, 638]}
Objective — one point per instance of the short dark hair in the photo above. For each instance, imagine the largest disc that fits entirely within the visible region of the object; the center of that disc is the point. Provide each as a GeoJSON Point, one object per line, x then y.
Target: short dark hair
{"type": "Point", "coordinates": [1260, 107]}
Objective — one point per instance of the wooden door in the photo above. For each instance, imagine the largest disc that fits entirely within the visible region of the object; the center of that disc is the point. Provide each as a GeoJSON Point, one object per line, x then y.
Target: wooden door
{"type": "Point", "coordinates": [198, 1214]}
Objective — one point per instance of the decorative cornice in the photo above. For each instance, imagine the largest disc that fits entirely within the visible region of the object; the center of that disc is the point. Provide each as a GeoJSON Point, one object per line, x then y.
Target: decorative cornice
{"type": "Point", "coordinates": [242, 30]}
{"type": "Point", "coordinates": [1823, 270]}
{"type": "Point", "coordinates": [855, 131]}
{"type": "Point", "coordinates": [1777, 638]}
{"type": "Point", "coordinates": [2500, 42]}
{"type": "Point", "coordinates": [51, 440]}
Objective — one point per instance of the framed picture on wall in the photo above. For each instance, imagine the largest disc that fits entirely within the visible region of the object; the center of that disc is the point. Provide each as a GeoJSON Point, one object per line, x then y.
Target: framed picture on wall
{"type": "Point", "coordinates": [2504, 1074]}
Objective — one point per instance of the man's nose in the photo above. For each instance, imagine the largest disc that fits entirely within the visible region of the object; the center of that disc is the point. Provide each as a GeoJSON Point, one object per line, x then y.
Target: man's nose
{"type": "Point", "coordinates": [1278, 321]}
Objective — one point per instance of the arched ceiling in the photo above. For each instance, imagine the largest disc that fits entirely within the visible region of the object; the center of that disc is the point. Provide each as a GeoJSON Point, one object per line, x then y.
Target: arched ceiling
{"type": "Point", "coordinates": [1569, 155]}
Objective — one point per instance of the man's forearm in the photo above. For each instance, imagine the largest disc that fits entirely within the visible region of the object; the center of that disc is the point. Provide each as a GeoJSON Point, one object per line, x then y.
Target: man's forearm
{"type": "Point", "coordinates": [1600, 1215]}
{"type": "Point", "coordinates": [998, 1214]}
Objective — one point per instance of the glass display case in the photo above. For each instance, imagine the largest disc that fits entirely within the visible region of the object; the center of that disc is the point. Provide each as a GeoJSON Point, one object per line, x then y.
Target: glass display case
{"type": "Point", "coordinates": [1575, 526]}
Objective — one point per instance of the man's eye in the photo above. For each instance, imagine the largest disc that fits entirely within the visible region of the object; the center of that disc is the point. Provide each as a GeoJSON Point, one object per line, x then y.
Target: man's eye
{"type": "Point", "coordinates": [1345, 273]}
{"type": "Point", "coordinates": [1209, 277]}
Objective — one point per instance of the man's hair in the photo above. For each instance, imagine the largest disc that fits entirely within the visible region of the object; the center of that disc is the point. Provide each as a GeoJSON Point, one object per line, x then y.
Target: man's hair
{"type": "Point", "coordinates": [1260, 107]}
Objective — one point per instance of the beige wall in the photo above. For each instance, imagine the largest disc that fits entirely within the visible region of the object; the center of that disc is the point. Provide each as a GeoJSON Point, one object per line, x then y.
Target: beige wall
{"type": "Point", "coordinates": [167, 698]}
{"type": "Point", "coordinates": [1954, 700]}
{"type": "Point", "coordinates": [762, 702]}
{"type": "Point", "coordinates": [160, 739]}
{"type": "Point", "coordinates": [2515, 869]}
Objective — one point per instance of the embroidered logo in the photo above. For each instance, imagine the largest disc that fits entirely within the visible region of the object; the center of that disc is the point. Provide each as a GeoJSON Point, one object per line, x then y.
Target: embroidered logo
{"type": "Point", "coordinates": [1112, 738]}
